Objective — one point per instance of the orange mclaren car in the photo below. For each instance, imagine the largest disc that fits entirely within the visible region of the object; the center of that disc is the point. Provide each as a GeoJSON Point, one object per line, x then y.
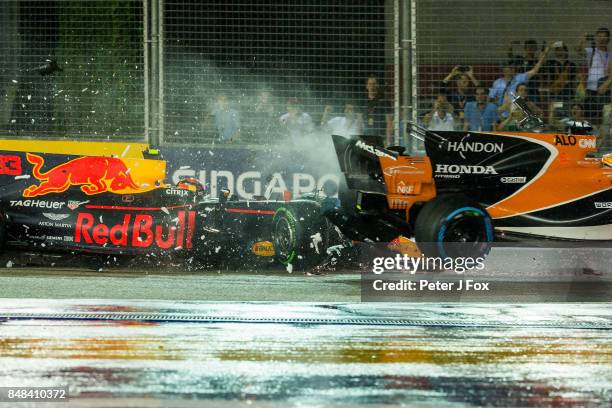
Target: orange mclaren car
{"type": "Point", "coordinates": [477, 187]}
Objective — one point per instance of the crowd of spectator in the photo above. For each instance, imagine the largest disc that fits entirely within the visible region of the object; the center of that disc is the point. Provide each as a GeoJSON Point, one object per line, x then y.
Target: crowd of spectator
{"type": "Point", "coordinates": [370, 115]}
{"type": "Point", "coordinates": [553, 86]}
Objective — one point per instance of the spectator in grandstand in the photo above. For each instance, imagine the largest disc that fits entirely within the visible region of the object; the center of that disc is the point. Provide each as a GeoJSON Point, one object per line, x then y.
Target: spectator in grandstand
{"type": "Point", "coordinates": [526, 62]}
{"type": "Point", "coordinates": [378, 117]}
{"type": "Point", "coordinates": [504, 87]}
{"type": "Point", "coordinates": [227, 120]}
{"type": "Point", "coordinates": [350, 124]}
{"type": "Point", "coordinates": [562, 85]}
{"type": "Point", "coordinates": [529, 60]}
{"type": "Point", "coordinates": [604, 87]}
{"type": "Point", "coordinates": [598, 60]}
{"type": "Point", "coordinates": [463, 90]}
{"type": "Point", "coordinates": [523, 91]}
{"type": "Point", "coordinates": [480, 114]}
{"type": "Point", "coordinates": [604, 125]}
{"type": "Point", "coordinates": [580, 91]}
{"type": "Point", "coordinates": [263, 120]}
{"type": "Point", "coordinates": [440, 117]}
{"type": "Point", "coordinates": [605, 130]}
{"type": "Point", "coordinates": [297, 124]}
{"type": "Point", "coordinates": [511, 122]}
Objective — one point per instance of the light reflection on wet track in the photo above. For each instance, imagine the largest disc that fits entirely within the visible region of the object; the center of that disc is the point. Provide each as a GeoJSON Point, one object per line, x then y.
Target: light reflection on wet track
{"type": "Point", "coordinates": [296, 364]}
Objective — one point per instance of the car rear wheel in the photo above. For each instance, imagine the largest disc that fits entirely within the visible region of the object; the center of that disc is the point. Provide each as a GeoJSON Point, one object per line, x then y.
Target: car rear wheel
{"type": "Point", "coordinates": [453, 227]}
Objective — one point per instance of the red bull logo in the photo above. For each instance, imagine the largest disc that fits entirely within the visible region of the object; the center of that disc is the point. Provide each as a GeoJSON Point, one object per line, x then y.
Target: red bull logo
{"type": "Point", "coordinates": [136, 231]}
{"type": "Point", "coordinates": [95, 175]}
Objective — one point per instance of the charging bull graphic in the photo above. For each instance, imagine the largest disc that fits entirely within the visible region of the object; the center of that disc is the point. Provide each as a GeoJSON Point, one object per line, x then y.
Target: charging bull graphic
{"type": "Point", "coordinates": [95, 175]}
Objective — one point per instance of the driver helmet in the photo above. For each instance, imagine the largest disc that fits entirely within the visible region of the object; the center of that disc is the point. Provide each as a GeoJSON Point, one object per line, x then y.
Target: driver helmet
{"type": "Point", "coordinates": [192, 184]}
{"type": "Point", "coordinates": [607, 160]}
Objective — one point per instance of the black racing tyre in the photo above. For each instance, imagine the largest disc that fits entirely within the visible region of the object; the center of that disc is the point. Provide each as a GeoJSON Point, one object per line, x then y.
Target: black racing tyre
{"type": "Point", "coordinates": [286, 235]}
{"type": "Point", "coordinates": [300, 236]}
{"type": "Point", "coordinates": [453, 227]}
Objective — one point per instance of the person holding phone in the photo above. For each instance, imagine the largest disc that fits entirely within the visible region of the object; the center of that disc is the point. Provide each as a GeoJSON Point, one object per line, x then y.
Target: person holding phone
{"type": "Point", "coordinates": [463, 89]}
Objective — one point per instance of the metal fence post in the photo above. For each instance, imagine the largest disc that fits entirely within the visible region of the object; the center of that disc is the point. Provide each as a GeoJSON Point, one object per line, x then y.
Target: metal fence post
{"type": "Point", "coordinates": [397, 86]}
{"type": "Point", "coordinates": [146, 58]}
{"type": "Point", "coordinates": [160, 71]}
{"type": "Point", "coordinates": [406, 64]}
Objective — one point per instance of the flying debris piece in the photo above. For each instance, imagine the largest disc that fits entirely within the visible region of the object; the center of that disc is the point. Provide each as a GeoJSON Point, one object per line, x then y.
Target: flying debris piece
{"type": "Point", "coordinates": [335, 249]}
{"type": "Point", "coordinates": [211, 153]}
{"type": "Point", "coordinates": [165, 210]}
{"type": "Point", "coordinates": [316, 240]}
{"type": "Point", "coordinates": [15, 81]}
{"type": "Point", "coordinates": [9, 264]}
{"type": "Point", "coordinates": [289, 268]}
{"type": "Point", "coordinates": [22, 176]}
{"type": "Point", "coordinates": [217, 249]}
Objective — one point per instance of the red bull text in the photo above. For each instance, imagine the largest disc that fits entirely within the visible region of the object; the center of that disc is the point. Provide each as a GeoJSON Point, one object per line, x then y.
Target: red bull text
{"type": "Point", "coordinates": [137, 231]}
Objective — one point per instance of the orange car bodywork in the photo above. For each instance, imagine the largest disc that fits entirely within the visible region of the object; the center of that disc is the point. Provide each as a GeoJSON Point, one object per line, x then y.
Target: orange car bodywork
{"type": "Point", "coordinates": [409, 179]}
{"type": "Point", "coordinates": [567, 176]}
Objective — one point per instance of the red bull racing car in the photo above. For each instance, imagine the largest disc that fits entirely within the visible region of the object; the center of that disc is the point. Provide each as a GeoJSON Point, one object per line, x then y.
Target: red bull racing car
{"type": "Point", "coordinates": [110, 198]}
{"type": "Point", "coordinates": [472, 188]}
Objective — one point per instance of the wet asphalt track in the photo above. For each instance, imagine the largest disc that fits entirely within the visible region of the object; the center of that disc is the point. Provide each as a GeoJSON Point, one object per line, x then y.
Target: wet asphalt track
{"type": "Point", "coordinates": [268, 354]}
{"type": "Point", "coordinates": [162, 337]}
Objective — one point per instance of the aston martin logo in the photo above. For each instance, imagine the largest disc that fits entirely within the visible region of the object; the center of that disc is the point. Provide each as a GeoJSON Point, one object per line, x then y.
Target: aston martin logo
{"type": "Point", "coordinates": [56, 217]}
